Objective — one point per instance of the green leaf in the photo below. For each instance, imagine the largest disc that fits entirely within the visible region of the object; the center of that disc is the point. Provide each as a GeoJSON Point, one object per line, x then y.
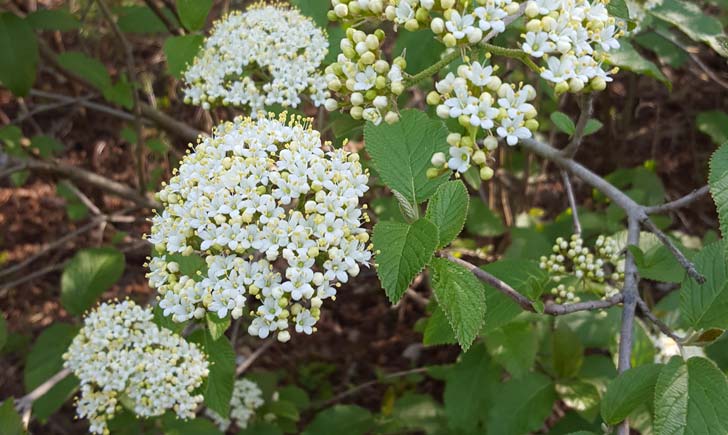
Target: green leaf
{"type": "Point", "coordinates": [120, 93]}
{"type": "Point", "coordinates": [628, 58]}
{"type": "Point", "coordinates": [520, 275]}
{"type": "Point", "coordinates": [422, 49]}
{"type": "Point", "coordinates": [654, 261]}
{"type": "Point", "coordinates": [341, 419]}
{"type": "Point", "coordinates": [403, 250]}
{"type": "Point", "coordinates": [218, 387]}
{"type": "Point", "coordinates": [89, 274]}
{"type": "Point", "coordinates": [166, 321]}
{"type": "Point", "coordinates": [315, 9]}
{"type": "Point", "coordinates": [191, 265]}
{"type": "Point", "coordinates": [46, 145]}
{"type": "Point", "coordinates": [689, 18]}
{"type": "Point", "coordinates": [87, 67]}
{"type": "Point", "coordinates": [447, 209]}
{"type": "Point", "coordinates": [19, 50]}
{"type": "Point", "coordinates": [592, 126]}
{"type": "Point", "coordinates": [10, 422]}
{"type": "Point", "coordinates": [193, 13]}
{"type": "Point", "coordinates": [563, 122]}
{"type": "Point", "coordinates": [461, 297]}
{"type": "Point", "coordinates": [216, 325]}
{"type": "Point", "coordinates": [295, 395]}
{"type": "Point", "coordinates": [522, 405]}
{"type": "Point", "coordinates": [718, 181]}
{"type": "Point", "coordinates": [691, 398]}
{"type": "Point", "coordinates": [180, 52]}
{"type": "Point", "coordinates": [663, 45]}
{"type": "Point", "coordinates": [628, 391]}
{"type": "Point", "coordinates": [513, 346]}
{"type": "Point", "coordinates": [581, 396]}
{"type": "Point", "coordinates": [438, 329]}
{"type": "Point", "coordinates": [567, 351]}
{"type": "Point", "coordinates": [401, 153]}
{"type": "Point", "coordinates": [482, 221]}
{"type": "Point", "coordinates": [409, 211]}
{"type": "Point", "coordinates": [44, 361]}
{"type": "Point", "coordinates": [53, 19]}
{"type": "Point", "coordinates": [195, 426]}
{"type": "Point", "coordinates": [141, 19]}
{"type": "Point", "coordinates": [618, 8]}
{"type": "Point", "coordinates": [469, 387]}
{"type": "Point", "coordinates": [261, 428]}
{"type": "Point", "coordinates": [705, 306]}
{"type": "Point", "coordinates": [714, 123]}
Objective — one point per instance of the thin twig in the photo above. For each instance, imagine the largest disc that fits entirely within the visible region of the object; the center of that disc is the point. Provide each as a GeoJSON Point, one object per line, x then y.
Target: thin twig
{"type": "Point", "coordinates": [587, 108]}
{"type": "Point", "coordinates": [572, 201]}
{"type": "Point", "coordinates": [136, 107]}
{"type": "Point", "coordinates": [25, 403]}
{"type": "Point", "coordinates": [550, 308]}
{"type": "Point", "coordinates": [680, 202]}
{"type": "Point", "coordinates": [83, 198]}
{"type": "Point", "coordinates": [365, 385]}
{"type": "Point", "coordinates": [677, 253]}
{"type": "Point", "coordinates": [247, 362]}
{"type": "Point", "coordinates": [657, 322]}
{"type": "Point", "coordinates": [84, 102]}
{"type": "Point", "coordinates": [163, 18]}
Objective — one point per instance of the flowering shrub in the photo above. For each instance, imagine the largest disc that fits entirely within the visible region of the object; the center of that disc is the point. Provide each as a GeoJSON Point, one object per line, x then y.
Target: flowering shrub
{"type": "Point", "coordinates": [253, 193]}
{"type": "Point", "coordinates": [246, 398]}
{"type": "Point", "coordinates": [122, 357]}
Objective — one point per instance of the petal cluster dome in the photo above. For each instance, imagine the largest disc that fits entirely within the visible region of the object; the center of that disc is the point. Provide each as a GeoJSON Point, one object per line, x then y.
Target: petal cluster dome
{"type": "Point", "coordinates": [269, 54]}
{"type": "Point", "coordinates": [274, 217]}
{"type": "Point", "coordinates": [121, 357]}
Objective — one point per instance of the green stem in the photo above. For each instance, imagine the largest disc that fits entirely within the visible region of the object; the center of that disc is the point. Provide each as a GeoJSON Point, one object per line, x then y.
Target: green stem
{"type": "Point", "coordinates": [433, 69]}
{"type": "Point", "coordinates": [513, 53]}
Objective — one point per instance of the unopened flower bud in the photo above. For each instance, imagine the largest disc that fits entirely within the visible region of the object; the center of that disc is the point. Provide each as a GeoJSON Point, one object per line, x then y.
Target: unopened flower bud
{"type": "Point", "coordinates": [438, 160]}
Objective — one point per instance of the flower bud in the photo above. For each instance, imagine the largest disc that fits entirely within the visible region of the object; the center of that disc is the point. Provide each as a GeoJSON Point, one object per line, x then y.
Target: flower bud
{"type": "Point", "coordinates": [334, 85]}
{"type": "Point", "coordinates": [475, 35]}
{"type": "Point", "coordinates": [598, 83]}
{"type": "Point", "coordinates": [376, 6]}
{"type": "Point", "coordinates": [357, 99]}
{"type": "Point", "coordinates": [412, 25]}
{"type": "Point", "coordinates": [447, 4]}
{"type": "Point", "coordinates": [380, 102]}
{"type": "Point", "coordinates": [370, 95]}
{"type": "Point", "coordinates": [400, 62]}
{"type": "Point", "coordinates": [490, 143]}
{"type": "Point", "coordinates": [380, 82]}
{"type": "Point", "coordinates": [467, 141]}
{"type": "Point", "coordinates": [532, 9]}
{"type": "Point", "coordinates": [453, 139]}
{"type": "Point", "coordinates": [356, 112]}
{"type": "Point", "coordinates": [341, 10]}
{"type": "Point", "coordinates": [494, 83]}
{"type": "Point", "coordinates": [331, 104]}
{"type": "Point", "coordinates": [512, 8]}
{"type": "Point", "coordinates": [433, 98]}
{"type": "Point", "coordinates": [486, 173]}
{"type": "Point", "coordinates": [561, 87]}
{"type": "Point", "coordinates": [449, 40]}
{"type": "Point", "coordinates": [368, 58]}
{"type": "Point", "coordinates": [443, 111]}
{"type": "Point", "coordinates": [437, 26]}
{"type": "Point", "coordinates": [359, 36]}
{"type": "Point", "coordinates": [372, 42]}
{"type": "Point", "coordinates": [381, 66]}
{"type": "Point", "coordinates": [391, 118]}
{"type": "Point", "coordinates": [432, 173]}
{"type": "Point", "coordinates": [397, 88]}
{"type": "Point", "coordinates": [531, 124]}
{"type": "Point", "coordinates": [576, 85]}
{"type": "Point", "coordinates": [390, 13]}
{"type": "Point", "coordinates": [478, 157]}
{"type": "Point", "coordinates": [534, 26]}
{"type": "Point", "coordinates": [284, 336]}
{"type": "Point", "coordinates": [331, 15]}
{"type": "Point", "coordinates": [438, 160]}
{"type": "Point", "coordinates": [464, 120]}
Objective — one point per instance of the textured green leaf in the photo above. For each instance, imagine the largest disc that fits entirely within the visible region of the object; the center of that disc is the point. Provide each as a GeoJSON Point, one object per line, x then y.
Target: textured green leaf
{"type": "Point", "coordinates": [563, 122]}
{"type": "Point", "coordinates": [10, 422]}
{"type": "Point", "coordinates": [520, 275]}
{"type": "Point", "coordinates": [341, 419]}
{"type": "Point", "coordinates": [89, 274]}
{"type": "Point", "coordinates": [522, 405]}
{"type": "Point", "coordinates": [718, 181]}
{"type": "Point", "coordinates": [315, 9]}
{"type": "Point", "coordinates": [403, 250]}
{"type": "Point", "coordinates": [401, 153]}
{"type": "Point", "coordinates": [193, 13]}
{"type": "Point", "coordinates": [661, 43]}
{"type": "Point", "coordinates": [469, 388]}
{"type": "Point", "coordinates": [579, 395]}
{"type": "Point", "coordinates": [618, 8]}
{"type": "Point", "coordinates": [422, 49]}
{"type": "Point", "coordinates": [592, 126]}
{"type": "Point", "coordinates": [19, 50]}
{"type": "Point", "coordinates": [46, 145]}
{"type": "Point", "coordinates": [87, 67]}
{"type": "Point", "coordinates": [714, 123]}
{"type": "Point", "coordinates": [180, 52]}
{"type": "Point", "coordinates": [44, 361]}
{"type": "Point", "coordinates": [691, 398]}
{"type": "Point", "coordinates": [53, 19]}
{"type": "Point", "coordinates": [628, 391]}
{"type": "Point", "coordinates": [482, 221]}
{"type": "Point", "coordinates": [438, 329]}
{"type": "Point", "coordinates": [218, 387]}
{"type": "Point", "coordinates": [513, 346]}
{"type": "Point", "coordinates": [216, 325]}
{"type": "Point", "coordinates": [705, 305]}
{"type": "Point", "coordinates": [689, 18]}
{"type": "Point", "coordinates": [628, 58]}
{"type": "Point", "coordinates": [567, 351]}
{"type": "Point", "coordinates": [461, 297]}
{"type": "Point", "coordinates": [447, 209]}
{"type": "Point", "coordinates": [141, 19]}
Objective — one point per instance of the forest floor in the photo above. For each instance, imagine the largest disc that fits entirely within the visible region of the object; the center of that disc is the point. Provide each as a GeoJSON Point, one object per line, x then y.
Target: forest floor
{"type": "Point", "coordinates": [360, 333]}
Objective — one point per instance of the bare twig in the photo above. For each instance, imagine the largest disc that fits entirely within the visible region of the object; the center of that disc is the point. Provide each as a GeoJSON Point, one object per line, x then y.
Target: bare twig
{"type": "Point", "coordinates": [587, 108]}
{"type": "Point", "coordinates": [83, 102]}
{"type": "Point", "coordinates": [657, 322]}
{"type": "Point", "coordinates": [86, 177]}
{"type": "Point", "coordinates": [25, 403]}
{"type": "Point", "coordinates": [677, 253]}
{"type": "Point", "coordinates": [680, 202]}
{"type": "Point", "coordinates": [353, 390]}
{"type": "Point", "coordinates": [247, 362]}
{"type": "Point", "coordinates": [572, 201]}
{"type": "Point", "coordinates": [550, 308]}
{"type": "Point", "coordinates": [163, 18]}
{"type": "Point", "coordinates": [136, 108]}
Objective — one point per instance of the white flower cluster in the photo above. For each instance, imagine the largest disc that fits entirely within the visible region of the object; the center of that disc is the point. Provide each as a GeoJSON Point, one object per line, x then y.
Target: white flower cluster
{"type": "Point", "coordinates": [572, 36]}
{"type": "Point", "coordinates": [366, 85]}
{"type": "Point", "coordinates": [246, 399]}
{"type": "Point", "coordinates": [667, 348]}
{"type": "Point", "coordinates": [638, 10]}
{"type": "Point", "coordinates": [122, 358]}
{"type": "Point", "coordinates": [470, 25]}
{"type": "Point", "coordinates": [601, 271]}
{"type": "Point", "coordinates": [479, 100]}
{"type": "Point", "coordinates": [275, 216]}
{"type": "Point", "coordinates": [269, 54]}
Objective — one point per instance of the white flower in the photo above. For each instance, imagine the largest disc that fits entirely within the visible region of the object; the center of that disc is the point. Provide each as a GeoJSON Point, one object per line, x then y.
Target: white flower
{"type": "Point", "coordinates": [559, 69]}
{"type": "Point", "coordinates": [445, 86]}
{"type": "Point", "coordinates": [271, 41]}
{"type": "Point", "coordinates": [479, 75]}
{"type": "Point", "coordinates": [484, 116]}
{"type": "Point", "coordinates": [462, 103]}
{"type": "Point", "coordinates": [257, 203]}
{"type": "Point", "coordinates": [120, 353]}
{"type": "Point", "coordinates": [365, 79]}
{"type": "Point", "coordinates": [537, 44]}
{"type": "Point", "coordinates": [491, 18]}
{"type": "Point", "coordinates": [405, 12]}
{"type": "Point", "coordinates": [513, 129]}
{"type": "Point", "coordinates": [247, 397]}
{"type": "Point", "coordinates": [459, 159]}
{"type": "Point", "coordinates": [305, 322]}
{"type": "Point", "coordinates": [460, 26]}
